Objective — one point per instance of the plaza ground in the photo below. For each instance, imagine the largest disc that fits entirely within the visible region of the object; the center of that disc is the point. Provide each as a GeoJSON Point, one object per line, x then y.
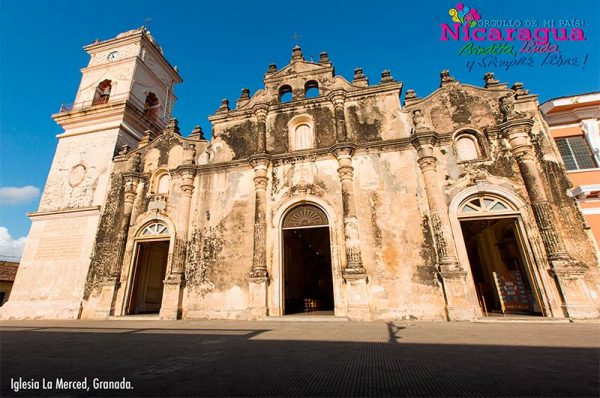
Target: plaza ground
{"type": "Point", "coordinates": [299, 358]}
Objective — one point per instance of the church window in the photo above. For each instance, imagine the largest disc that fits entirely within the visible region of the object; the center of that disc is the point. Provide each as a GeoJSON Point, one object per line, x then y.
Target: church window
{"type": "Point", "coordinates": [301, 131]}
{"type": "Point", "coordinates": [302, 137]}
{"type": "Point", "coordinates": [102, 94]}
{"type": "Point", "coordinates": [311, 89]}
{"type": "Point", "coordinates": [484, 204]}
{"type": "Point", "coordinates": [162, 183]}
{"type": "Point", "coordinates": [285, 93]}
{"type": "Point", "coordinates": [155, 229]}
{"type": "Point", "coordinates": [467, 147]}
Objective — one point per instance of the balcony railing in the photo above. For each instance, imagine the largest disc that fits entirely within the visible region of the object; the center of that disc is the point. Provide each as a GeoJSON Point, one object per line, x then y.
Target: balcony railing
{"type": "Point", "coordinates": [95, 102]}
{"type": "Point", "coordinates": [119, 98]}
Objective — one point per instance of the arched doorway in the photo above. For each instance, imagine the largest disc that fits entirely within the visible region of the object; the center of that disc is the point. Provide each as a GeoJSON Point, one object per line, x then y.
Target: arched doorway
{"type": "Point", "coordinates": [150, 266]}
{"type": "Point", "coordinates": [307, 273]}
{"type": "Point", "coordinates": [500, 261]}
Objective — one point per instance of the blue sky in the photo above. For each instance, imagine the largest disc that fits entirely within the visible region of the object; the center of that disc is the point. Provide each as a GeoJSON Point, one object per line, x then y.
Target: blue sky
{"type": "Point", "coordinates": [225, 46]}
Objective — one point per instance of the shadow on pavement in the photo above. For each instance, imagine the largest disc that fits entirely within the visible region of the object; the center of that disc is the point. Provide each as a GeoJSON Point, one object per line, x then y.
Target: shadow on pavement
{"type": "Point", "coordinates": [230, 362]}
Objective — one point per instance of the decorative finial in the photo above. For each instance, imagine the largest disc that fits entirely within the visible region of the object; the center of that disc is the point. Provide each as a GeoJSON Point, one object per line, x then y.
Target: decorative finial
{"type": "Point", "coordinates": [410, 94]}
{"type": "Point", "coordinates": [445, 77]}
{"type": "Point", "coordinates": [386, 77]}
{"type": "Point", "coordinates": [172, 127]}
{"type": "Point", "coordinates": [359, 77]}
{"type": "Point", "coordinates": [324, 58]}
{"type": "Point", "coordinates": [243, 99]}
{"type": "Point", "coordinates": [490, 80]}
{"type": "Point", "coordinates": [224, 106]}
{"type": "Point", "coordinates": [197, 134]}
{"type": "Point", "coordinates": [297, 53]}
{"type": "Point", "coordinates": [145, 139]}
{"type": "Point", "coordinates": [519, 89]}
{"type": "Point", "coordinates": [272, 68]}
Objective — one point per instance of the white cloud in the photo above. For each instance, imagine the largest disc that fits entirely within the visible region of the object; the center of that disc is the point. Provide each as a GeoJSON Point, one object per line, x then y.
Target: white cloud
{"type": "Point", "coordinates": [11, 249]}
{"type": "Point", "coordinates": [14, 195]}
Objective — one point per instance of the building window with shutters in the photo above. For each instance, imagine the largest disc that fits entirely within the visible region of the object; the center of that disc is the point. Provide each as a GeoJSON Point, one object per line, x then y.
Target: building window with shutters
{"type": "Point", "coordinates": [576, 153]}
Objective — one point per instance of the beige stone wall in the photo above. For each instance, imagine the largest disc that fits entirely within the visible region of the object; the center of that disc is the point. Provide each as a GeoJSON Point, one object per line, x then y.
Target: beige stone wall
{"type": "Point", "coordinates": [54, 266]}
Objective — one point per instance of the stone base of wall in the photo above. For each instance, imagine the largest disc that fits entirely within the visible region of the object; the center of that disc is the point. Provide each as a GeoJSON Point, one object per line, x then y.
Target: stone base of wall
{"type": "Point", "coordinates": [40, 310]}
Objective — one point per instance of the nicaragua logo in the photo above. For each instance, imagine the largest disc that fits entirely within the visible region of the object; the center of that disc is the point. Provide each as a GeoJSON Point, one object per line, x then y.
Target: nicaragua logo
{"type": "Point", "coordinates": [469, 26]}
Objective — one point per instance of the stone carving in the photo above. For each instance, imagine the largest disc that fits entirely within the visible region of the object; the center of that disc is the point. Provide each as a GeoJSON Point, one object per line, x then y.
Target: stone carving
{"type": "Point", "coordinates": [124, 150]}
{"type": "Point", "coordinates": [419, 120]}
{"type": "Point", "coordinates": [136, 163]}
{"type": "Point", "coordinates": [438, 233]}
{"type": "Point", "coordinates": [189, 155]}
{"type": "Point", "coordinates": [507, 107]}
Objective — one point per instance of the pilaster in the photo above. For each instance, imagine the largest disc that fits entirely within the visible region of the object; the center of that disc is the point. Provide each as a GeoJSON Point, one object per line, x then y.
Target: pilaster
{"type": "Point", "coordinates": [171, 306]}
{"type": "Point", "coordinates": [568, 273]}
{"type": "Point", "coordinates": [258, 278]}
{"type": "Point", "coordinates": [354, 273]}
{"type": "Point", "coordinates": [451, 272]}
{"type": "Point", "coordinates": [112, 283]}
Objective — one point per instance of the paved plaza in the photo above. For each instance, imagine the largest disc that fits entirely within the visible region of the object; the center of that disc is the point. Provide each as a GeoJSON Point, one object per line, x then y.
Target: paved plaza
{"type": "Point", "coordinates": [276, 358]}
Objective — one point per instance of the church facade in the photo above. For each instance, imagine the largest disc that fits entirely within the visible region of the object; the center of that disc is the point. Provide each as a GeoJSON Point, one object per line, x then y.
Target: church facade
{"type": "Point", "coordinates": [316, 195]}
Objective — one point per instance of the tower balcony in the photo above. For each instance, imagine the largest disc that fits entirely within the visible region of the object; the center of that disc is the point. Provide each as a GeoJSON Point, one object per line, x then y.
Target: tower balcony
{"type": "Point", "coordinates": [146, 113]}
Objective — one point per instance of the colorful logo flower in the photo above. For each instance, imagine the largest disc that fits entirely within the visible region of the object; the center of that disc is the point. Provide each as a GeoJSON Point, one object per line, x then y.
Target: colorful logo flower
{"type": "Point", "coordinates": [466, 15]}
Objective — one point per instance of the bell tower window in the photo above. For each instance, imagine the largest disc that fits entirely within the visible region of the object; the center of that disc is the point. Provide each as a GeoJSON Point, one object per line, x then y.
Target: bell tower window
{"type": "Point", "coordinates": [285, 93]}
{"type": "Point", "coordinates": [151, 106]}
{"type": "Point", "coordinates": [311, 89]}
{"type": "Point", "coordinates": [102, 94]}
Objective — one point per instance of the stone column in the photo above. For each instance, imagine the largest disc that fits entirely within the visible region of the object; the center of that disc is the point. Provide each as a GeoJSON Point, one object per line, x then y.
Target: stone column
{"type": "Point", "coordinates": [567, 272]}
{"type": "Point", "coordinates": [112, 283]}
{"type": "Point", "coordinates": [354, 273]}
{"type": "Point", "coordinates": [452, 274]}
{"type": "Point", "coordinates": [258, 277]}
{"type": "Point", "coordinates": [338, 98]}
{"type": "Point", "coordinates": [175, 282]}
{"type": "Point", "coordinates": [260, 111]}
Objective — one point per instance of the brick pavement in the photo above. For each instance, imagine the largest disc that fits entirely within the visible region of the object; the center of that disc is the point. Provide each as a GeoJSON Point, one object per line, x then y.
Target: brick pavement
{"type": "Point", "coordinates": [235, 358]}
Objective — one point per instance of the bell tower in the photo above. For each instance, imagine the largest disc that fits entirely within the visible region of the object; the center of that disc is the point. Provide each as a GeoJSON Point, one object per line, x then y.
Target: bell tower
{"type": "Point", "coordinates": [125, 90]}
